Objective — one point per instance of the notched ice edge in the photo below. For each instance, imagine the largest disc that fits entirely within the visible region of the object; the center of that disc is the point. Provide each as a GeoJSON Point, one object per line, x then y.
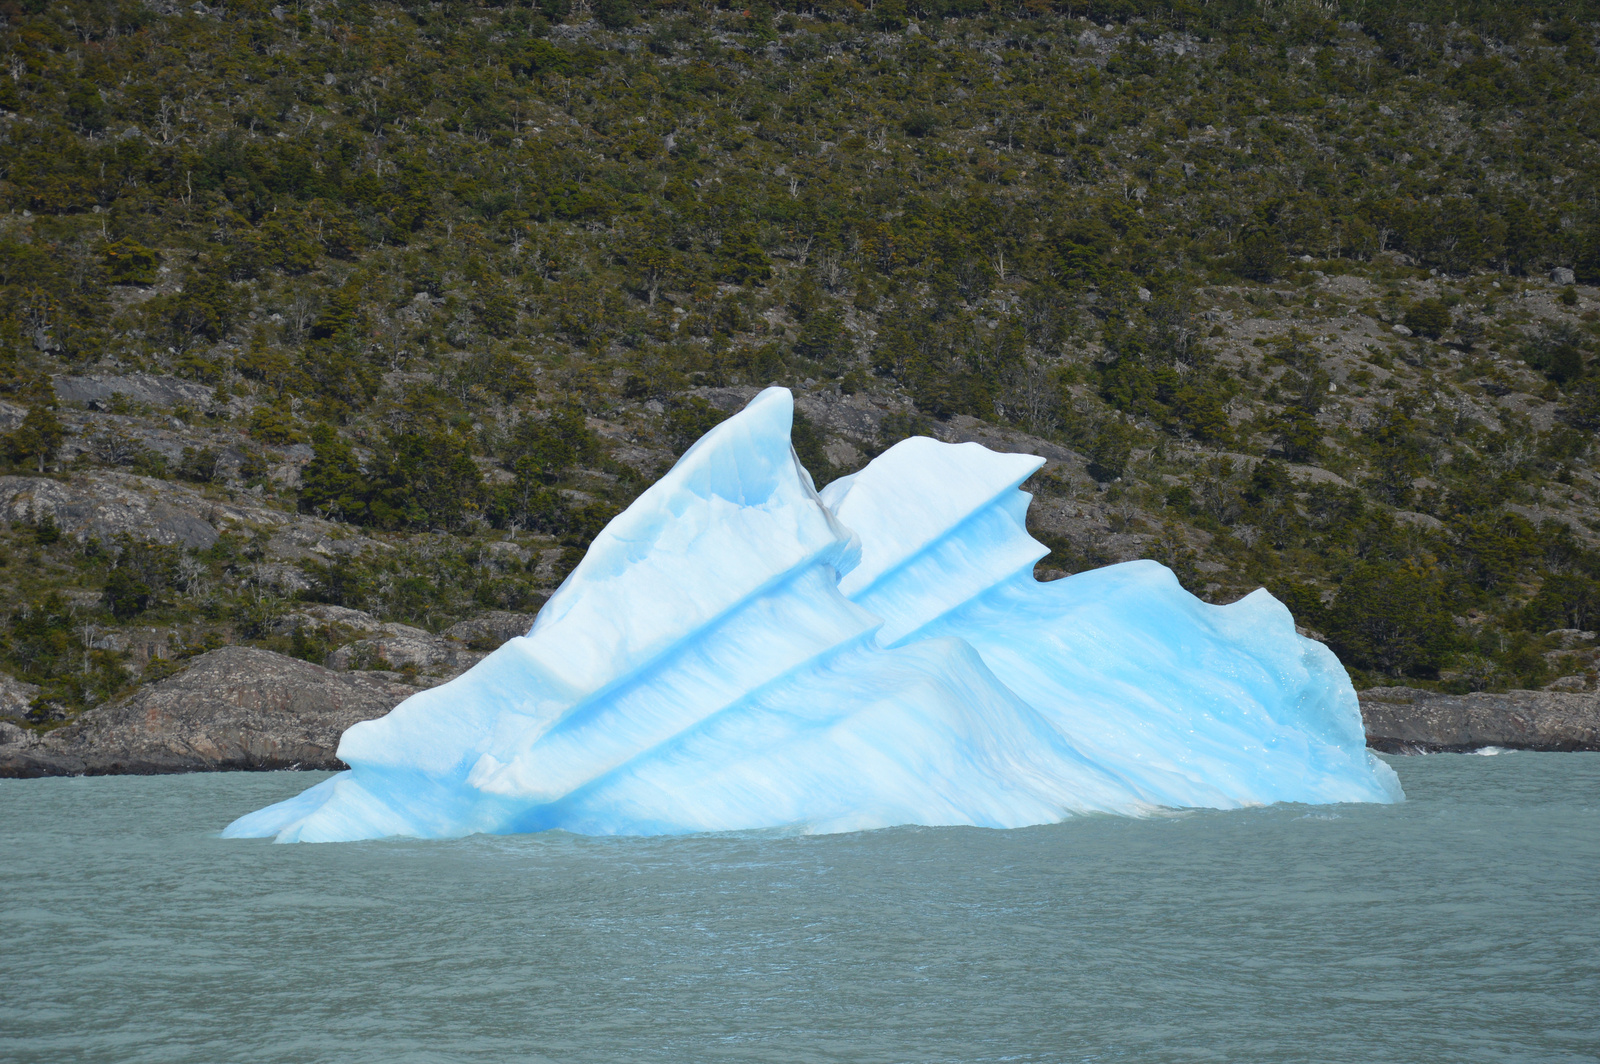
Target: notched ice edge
{"type": "Point", "coordinates": [739, 652]}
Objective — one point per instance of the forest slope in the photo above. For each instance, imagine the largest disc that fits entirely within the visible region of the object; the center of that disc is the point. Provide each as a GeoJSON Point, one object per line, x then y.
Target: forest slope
{"type": "Point", "coordinates": [392, 306]}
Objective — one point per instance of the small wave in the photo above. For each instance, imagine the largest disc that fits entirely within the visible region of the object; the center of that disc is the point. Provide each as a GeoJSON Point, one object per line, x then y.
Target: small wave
{"type": "Point", "coordinates": [1490, 751]}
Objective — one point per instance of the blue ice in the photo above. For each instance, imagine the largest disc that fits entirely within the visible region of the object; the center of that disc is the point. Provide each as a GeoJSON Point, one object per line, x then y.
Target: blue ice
{"type": "Point", "coordinates": [736, 651]}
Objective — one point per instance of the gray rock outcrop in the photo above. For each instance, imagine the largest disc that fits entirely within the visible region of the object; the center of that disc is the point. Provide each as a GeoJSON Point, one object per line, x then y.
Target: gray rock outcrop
{"type": "Point", "coordinates": [1404, 720]}
{"type": "Point", "coordinates": [96, 390]}
{"type": "Point", "coordinates": [233, 708]}
{"type": "Point", "coordinates": [103, 504]}
{"type": "Point", "coordinates": [387, 645]}
{"type": "Point", "coordinates": [15, 696]}
{"type": "Point", "coordinates": [397, 646]}
{"type": "Point", "coordinates": [488, 630]}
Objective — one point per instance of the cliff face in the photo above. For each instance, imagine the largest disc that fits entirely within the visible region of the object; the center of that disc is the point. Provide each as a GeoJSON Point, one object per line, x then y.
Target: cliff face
{"type": "Point", "coordinates": [233, 708]}
{"type": "Point", "coordinates": [1404, 720]}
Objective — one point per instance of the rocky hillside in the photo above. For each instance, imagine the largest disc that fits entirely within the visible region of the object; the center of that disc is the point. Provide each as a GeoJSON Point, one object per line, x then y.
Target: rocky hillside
{"type": "Point", "coordinates": [337, 332]}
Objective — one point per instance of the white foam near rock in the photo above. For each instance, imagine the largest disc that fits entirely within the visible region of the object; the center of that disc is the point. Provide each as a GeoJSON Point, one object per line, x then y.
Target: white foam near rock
{"type": "Point", "coordinates": [736, 652]}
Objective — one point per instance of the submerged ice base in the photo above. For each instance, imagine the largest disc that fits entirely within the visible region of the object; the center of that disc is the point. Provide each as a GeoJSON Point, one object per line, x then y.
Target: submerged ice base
{"type": "Point", "coordinates": [736, 652]}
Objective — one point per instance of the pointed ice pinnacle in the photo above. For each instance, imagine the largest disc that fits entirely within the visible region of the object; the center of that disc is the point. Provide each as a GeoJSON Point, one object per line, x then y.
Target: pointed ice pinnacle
{"type": "Point", "coordinates": [730, 655]}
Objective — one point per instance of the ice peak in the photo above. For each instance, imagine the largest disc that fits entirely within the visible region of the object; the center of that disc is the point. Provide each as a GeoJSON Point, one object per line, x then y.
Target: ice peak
{"type": "Point", "coordinates": [940, 523]}
{"type": "Point", "coordinates": [736, 512]}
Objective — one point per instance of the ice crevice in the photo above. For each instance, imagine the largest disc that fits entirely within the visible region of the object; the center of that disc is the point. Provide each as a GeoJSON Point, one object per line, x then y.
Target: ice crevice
{"type": "Point", "coordinates": [738, 651]}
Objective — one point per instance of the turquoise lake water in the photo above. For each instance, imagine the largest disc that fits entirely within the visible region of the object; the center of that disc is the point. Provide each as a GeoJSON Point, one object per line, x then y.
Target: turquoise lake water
{"type": "Point", "coordinates": [1463, 925]}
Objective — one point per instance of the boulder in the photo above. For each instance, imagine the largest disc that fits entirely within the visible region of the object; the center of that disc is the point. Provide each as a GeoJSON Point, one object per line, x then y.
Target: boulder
{"type": "Point", "coordinates": [103, 505]}
{"type": "Point", "coordinates": [96, 390]}
{"type": "Point", "coordinates": [15, 697]}
{"type": "Point", "coordinates": [1574, 682]}
{"type": "Point", "coordinates": [23, 754]}
{"type": "Point", "coordinates": [325, 615]}
{"type": "Point", "coordinates": [392, 646]}
{"type": "Point", "coordinates": [487, 631]}
{"type": "Point", "coordinates": [140, 644]}
{"type": "Point", "coordinates": [1570, 638]}
{"type": "Point", "coordinates": [1404, 720]}
{"type": "Point", "coordinates": [395, 646]}
{"type": "Point", "coordinates": [233, 708]}
{"type": "Point", "coordinates": [1562, 275]}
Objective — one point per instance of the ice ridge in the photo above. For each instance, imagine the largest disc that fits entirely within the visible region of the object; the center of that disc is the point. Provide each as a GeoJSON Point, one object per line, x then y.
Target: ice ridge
{"type": "Point", "coordinates": [736, 652]}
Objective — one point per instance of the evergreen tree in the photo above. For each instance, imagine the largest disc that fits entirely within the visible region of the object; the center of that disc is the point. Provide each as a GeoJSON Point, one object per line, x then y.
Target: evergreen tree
{"type": "Point", "coordinates": [331, 482]}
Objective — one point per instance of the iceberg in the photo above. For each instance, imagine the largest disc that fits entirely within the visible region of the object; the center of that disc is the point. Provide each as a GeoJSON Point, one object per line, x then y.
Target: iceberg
{"type": "Point", "coordinates": [737, 651]}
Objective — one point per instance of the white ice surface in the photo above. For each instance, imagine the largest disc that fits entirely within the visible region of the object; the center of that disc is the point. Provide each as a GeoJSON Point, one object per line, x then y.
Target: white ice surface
{"type": "Point", "coordinates": [732, 654]}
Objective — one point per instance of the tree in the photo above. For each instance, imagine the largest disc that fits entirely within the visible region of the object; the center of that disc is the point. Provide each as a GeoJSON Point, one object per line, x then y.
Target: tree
{"type": "Point", "coordinates": [540, 452]}
{"type": "Point", "coordinates": [1389, 617]}
{"type": "Point", "coordinates": [890, 15]}
{"type": "Point", "coordinates": [810, 443]}
{"type": "Point", "coordinates": [1429, 317]}
{"type": "Point", "coordinates": [614, 14]}
{"type": "Point", "coordinates": [1491, 548]}
{"type": "Point", "coordinates": [286, 248]}
{"type": "Point", "coordinates": [495, 308]}
{"type": "Point", "coordinates": [201, 466]}
{"type": "Point", "coordinates": [1583, 410]}
{"type": "Point", "coordinates": [272, 424]}
{"type": "Point", "coordinates": [1557, 351]}
{"type": "Point", "coordinates": [269, 365]}
{"type": "Point", "coordinates": [129, 262]}
{"type": "Point", "coordinates": [823, 340]}
{"type": "Point", "coordinates": [547, 447]}
{"type": "Point", "coordinates": [1109, 450]}
{"type": "Point", "coordinates": [126, 595]}
{"type": "Point", "coordinates": [331, 483]}
{"type": "Point", "coordinates": [1564, 600]}
{"type": "Point", "coordinates": [740, 260]}
{"type": "Point", "coordinates": [423, 480]}
{"type": "Point", "coordinates": [41, 433]}
{"type": "Point", "coordinates": [203, 312]}
{"type": "Point", "coordinates": [1299, 434]}
{"type": "Point", "coordinates": [690, 419]}
{"type": "Point", "coordinates": [652, 265]}
{"type": "Point", "coordinates": [1262, 256]}
{"type": "Point", "coordinates": [340, 314]}
{"type": "Point", "coordinates": [1397, 444]}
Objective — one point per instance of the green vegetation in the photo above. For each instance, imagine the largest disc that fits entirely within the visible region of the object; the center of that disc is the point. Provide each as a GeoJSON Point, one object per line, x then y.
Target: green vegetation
{"type": "Point", "coordinates": [496, 264]}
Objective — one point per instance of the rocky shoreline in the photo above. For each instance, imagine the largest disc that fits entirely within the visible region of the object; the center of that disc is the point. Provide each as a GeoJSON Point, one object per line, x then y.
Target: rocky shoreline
{"type": "Point", "coordinates": [233, 708]}
{"type": "Point", "coordinates": [242, 708]}
{"type": "Point", "coordinates": [1404, 720]}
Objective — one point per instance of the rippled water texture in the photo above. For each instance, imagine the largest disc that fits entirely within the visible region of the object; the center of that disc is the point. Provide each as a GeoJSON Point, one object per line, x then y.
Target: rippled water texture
{"type": "Point", "coordinates": [1462, 925]}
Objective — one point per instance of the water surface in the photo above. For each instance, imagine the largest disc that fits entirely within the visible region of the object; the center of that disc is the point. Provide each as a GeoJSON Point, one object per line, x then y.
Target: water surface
{"type": "Point", "coordinates": [1462, 925]}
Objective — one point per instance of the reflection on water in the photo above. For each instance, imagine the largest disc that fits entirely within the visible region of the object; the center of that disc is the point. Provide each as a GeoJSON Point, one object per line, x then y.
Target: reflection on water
{"type": "Point", "coordinates": [1461, 925]}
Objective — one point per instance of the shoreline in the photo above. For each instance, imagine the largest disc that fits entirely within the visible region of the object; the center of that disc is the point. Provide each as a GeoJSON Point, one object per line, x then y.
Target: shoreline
{"type": "Point", "coordinates": [240, 709]}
